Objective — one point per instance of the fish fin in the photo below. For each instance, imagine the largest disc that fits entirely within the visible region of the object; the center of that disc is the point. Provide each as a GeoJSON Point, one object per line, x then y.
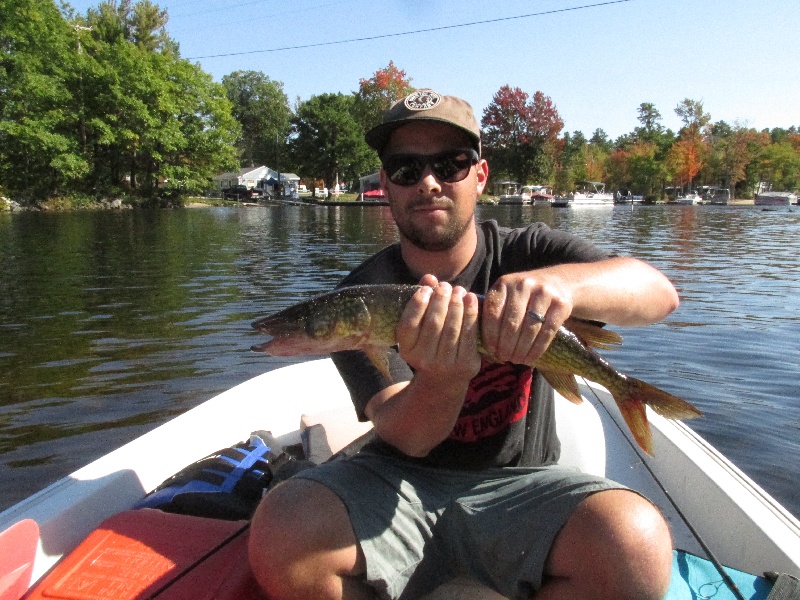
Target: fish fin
{"type": "Point", "coordinates": [377, 356]}
{"type": "Point", "coordinates": [664, 403]}
{"type": "Point", "coordinates": [635, 415]}
{"type": "Point", "coordinates": [593, 335]}
{"type": "Point", "coordinates": [564, 383]}
{"type": "Point", "coordinates": [632, 402]}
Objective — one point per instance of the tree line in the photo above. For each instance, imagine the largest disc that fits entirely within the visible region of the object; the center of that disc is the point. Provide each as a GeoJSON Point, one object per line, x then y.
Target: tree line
{"type": "Point", "coordinates": [102, 104]}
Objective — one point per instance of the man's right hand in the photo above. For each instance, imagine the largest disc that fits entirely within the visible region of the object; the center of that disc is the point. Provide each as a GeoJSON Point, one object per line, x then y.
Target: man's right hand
{"type": "Point", "coordinates": [438, 331]}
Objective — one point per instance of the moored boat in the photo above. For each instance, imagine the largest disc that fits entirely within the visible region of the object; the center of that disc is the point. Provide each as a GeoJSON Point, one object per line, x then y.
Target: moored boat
{"type": "Point", "coordinates": [676, 195]}
{"type": "Point", "coordinates": [712, 194]}
{"type": "Point", "coordinates": [775, 199]}
{"type": "Point", "coordinates": [587, 193]}
{"type": "Point", "coordinates": [538, 195]}
{"type": "Point", "coordinates": [708, 502]}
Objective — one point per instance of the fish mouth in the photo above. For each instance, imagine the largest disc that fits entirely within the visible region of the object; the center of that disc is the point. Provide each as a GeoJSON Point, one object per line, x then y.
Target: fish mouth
{"type": "Point", "coordinates": [287, 346]}
{"type": "Point", "coordinates": [286, 337]}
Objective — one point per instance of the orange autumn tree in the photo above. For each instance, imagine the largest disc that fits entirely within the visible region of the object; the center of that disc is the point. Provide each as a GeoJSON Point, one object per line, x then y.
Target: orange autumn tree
{"type": "Point", "coordinates": [520, 134]}
{"type": "Point", "coordinates": [376, 94]}
{"type": "Point", "coordinates": [685, 159]}
{"type": "Point", "coordinates": [688, 155]}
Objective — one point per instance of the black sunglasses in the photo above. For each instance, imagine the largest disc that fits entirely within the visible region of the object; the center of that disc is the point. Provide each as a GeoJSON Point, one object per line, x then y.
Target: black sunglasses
{"type": "Point", "coordinates": [448, 167]}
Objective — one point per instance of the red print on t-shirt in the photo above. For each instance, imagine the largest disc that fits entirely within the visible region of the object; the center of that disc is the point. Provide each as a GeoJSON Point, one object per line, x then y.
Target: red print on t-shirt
{"type": "Point", "coordinates": [497, 397]}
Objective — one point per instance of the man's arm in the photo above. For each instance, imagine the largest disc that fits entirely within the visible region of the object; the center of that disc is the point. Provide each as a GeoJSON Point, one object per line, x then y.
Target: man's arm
{"type": "Point", "coordinates": [437, 337]}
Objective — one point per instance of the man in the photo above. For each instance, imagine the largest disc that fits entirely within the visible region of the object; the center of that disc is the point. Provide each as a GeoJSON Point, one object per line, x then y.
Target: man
{"type": "Point", "coordinates": [460, 480]}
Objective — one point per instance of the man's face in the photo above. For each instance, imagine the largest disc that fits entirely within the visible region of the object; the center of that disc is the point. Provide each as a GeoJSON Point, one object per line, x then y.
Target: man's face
{"type": "Point", "coordinates": [432, 214]}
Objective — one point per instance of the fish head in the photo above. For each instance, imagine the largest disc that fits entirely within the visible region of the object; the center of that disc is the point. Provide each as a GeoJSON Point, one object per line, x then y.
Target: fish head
{"type": "Point", "coordinates": [328, 323]}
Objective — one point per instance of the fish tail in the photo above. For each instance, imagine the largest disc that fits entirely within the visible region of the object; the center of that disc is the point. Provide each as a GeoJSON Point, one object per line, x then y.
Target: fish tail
{"type": "Point", "coordinates": [632, 403]}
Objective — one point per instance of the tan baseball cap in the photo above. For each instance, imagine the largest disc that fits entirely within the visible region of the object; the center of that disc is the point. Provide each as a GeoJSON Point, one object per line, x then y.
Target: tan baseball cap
{"type": "Point", "coordinates": [425, 105]}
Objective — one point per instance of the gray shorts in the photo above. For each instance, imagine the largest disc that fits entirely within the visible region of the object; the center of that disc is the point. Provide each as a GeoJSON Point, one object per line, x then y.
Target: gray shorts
{"type": "Point", "coordinates": [419, 526]}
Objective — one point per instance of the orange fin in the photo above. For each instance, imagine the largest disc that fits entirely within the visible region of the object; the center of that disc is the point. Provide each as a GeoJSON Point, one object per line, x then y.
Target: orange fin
{"type": "Point", "coordinates": [593, 335]}
{"type": "Point", "coordinates": [564, 383]}
{"type": "Point", "coordinates": [377, 356]}
{"type": "Point", "coordinates": [664, 403]}
{"type": "Point", "coordinates": [635, 415]}
{"type": "Point", "coordinates": [632, 405]}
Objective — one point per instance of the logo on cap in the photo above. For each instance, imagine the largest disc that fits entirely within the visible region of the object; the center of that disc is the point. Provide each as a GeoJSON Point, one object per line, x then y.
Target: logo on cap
{"type": "Point", "coordinates": [422, 100]}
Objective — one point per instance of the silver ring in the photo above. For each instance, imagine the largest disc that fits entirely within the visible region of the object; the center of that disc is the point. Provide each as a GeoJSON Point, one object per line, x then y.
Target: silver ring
{"type": "Point", "coordinates": [535, 316]}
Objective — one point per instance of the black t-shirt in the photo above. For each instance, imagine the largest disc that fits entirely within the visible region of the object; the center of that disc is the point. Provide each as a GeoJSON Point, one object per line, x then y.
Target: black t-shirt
{"type": "Point", "coordinates": [496, 418]}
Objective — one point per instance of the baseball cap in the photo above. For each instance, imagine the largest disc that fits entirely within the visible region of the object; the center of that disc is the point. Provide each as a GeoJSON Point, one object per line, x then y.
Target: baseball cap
{"type": "Point", "coordinates": [425, 105]}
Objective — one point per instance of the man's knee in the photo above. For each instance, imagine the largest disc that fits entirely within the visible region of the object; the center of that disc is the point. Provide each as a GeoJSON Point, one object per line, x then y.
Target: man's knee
{"type": "Point", "coordinates": [301, 535]}
{"type": "Point", "coordinates": [618, 544]}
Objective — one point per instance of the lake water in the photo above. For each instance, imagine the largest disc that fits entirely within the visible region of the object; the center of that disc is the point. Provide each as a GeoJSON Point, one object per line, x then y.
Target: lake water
{"type": "Point", "coordinates": [113, 322]}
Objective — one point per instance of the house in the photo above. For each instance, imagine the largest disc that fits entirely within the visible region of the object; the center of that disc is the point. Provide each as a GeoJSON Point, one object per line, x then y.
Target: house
{"type": "Point", "coordinates": [258, 177]}
{"type": "Point", "coordinates": [249, 176]}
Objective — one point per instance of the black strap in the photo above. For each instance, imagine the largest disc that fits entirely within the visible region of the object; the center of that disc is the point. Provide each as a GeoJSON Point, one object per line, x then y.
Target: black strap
{"type": "Point", "coordinates": [785, 587]}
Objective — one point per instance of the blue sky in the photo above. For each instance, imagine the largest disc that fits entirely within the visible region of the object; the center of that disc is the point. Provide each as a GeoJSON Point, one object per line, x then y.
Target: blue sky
{"type": "Point", "coordinates": [597, 63]}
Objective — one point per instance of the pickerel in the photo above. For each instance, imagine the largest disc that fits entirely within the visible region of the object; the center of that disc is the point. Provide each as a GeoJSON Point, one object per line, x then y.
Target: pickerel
{"type": "Point", "coordinates": [365, 317]}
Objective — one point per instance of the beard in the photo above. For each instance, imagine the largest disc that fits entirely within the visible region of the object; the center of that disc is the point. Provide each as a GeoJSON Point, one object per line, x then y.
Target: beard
{"type": "Point", "coordinates": [432, 239]}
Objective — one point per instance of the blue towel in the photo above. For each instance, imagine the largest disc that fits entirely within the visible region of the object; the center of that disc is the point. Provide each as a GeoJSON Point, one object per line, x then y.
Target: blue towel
{"type": "Point", "coordinates": [695, 578]}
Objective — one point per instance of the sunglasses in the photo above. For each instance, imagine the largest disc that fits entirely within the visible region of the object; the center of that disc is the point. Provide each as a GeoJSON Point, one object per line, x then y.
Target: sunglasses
{"type": "Point", "coordinates": [449, 167]}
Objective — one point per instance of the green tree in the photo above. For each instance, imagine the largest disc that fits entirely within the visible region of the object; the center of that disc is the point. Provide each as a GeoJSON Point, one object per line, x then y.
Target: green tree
{"type": "Point", "coordinates": [600, 140]}
{"type": "Point", "coordinates": [779, 164]}
{"type": "Point", "coordinates": [38, 149]}
{"type": "Point", "coordinates": [646, 169]}
{"type": "Point", "coordinates": [155, 122]}
{"type": "Point", "coordinates": [327, 142]}
{"type": "Point", "coordinates": [262, 108]}
{"type": "Point", "coordinates": [692, 114]}
{"type": "Point", "coordinates": [650, 119]}
{"type": "Point", "coordinates": [103, 102]}
{"type": "Point", "coordinates": [733, 150]}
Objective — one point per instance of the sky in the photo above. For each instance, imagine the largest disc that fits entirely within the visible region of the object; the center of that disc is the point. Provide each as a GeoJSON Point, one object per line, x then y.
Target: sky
{"type": "Point", "coordinates": [597, 60]}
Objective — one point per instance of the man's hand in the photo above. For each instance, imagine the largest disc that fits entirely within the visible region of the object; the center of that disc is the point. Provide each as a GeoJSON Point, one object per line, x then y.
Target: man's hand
{"type": "Point", "coordinates": [438, 331]}
{"type": "Point", "coordinates": [522, 313]}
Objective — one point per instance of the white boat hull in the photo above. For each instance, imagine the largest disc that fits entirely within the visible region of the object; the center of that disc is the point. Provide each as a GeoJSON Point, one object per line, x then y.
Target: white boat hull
{"type": "Point", "coordinates": [746, 528]}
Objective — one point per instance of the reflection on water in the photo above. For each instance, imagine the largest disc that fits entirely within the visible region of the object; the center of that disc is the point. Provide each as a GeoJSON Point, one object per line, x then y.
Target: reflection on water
{"type": "Point", "coordinates": [112, 322]}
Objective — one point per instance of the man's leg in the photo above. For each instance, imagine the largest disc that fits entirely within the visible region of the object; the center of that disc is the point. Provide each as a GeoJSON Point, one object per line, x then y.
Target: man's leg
{"type": "Point", "coordinates": [615, 545]}
{"type": "Point", "coordinates": [302, 545]}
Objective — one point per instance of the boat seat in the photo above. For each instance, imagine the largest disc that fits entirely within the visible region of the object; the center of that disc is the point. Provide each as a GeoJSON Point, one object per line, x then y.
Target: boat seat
{"type": "Point", "coordinates": [341, 426]}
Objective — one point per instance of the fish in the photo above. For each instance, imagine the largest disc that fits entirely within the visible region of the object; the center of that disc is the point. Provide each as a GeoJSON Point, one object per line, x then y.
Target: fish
{"type": "Point", "coordinates": [365, 317]}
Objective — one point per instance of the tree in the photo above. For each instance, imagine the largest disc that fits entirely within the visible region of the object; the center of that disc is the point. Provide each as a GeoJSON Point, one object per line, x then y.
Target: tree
{"type": "Point", "coordinates": [520, 134]}
{"type": "Point", "coordinates": [146, 107]}
{"type": "Point", "coordinates": [692, 114]}
{"type": "Point", "coordinates": [262, 108]}
{"type": "Point", "coordinates": [327, 142]}
{"type": "Point", "coordinates": [733, 149]}
{"type": "Point", "coordinates": [649, 117]}
{"type": "Point", "coordinates": [779, 164]}
{"type": "Point", "coordinates": [96, 104]}
{"type": "Point", "coordinates": [600, 140]}
{"type": "Point", "coordinates": [688, 155]}
{"type": "Point", "coordinates": [645, 168]}
{"type": "Point", "coordinates": [376, 94]}
{"type": "Point", "coordinates": [685, 159]}
{"type": "Point", "coordinates": [38, 149]}
{"type": "Point", "coordinates": [570, 167]}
